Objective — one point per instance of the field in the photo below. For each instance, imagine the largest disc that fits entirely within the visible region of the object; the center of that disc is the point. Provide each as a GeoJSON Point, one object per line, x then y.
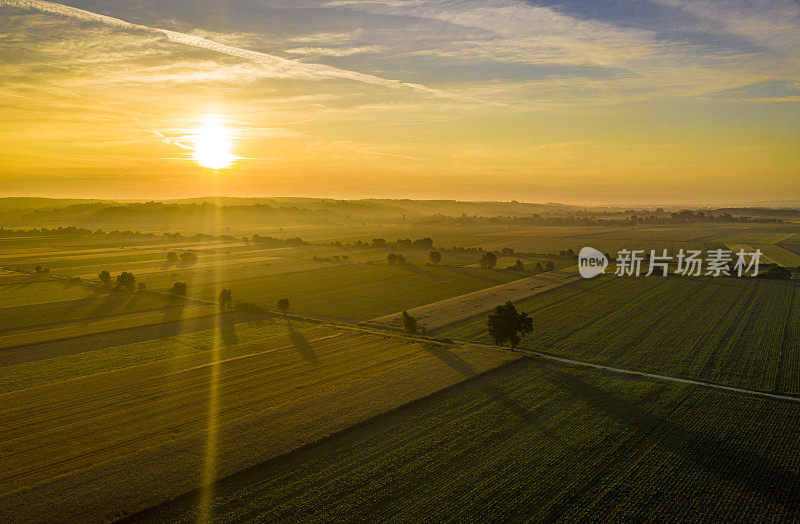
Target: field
{"type": "Point", "coordinates": [145, 422]}
{"type": "Point", "coordinates": [737, 332]}
{"type": "Point", "coordinates": [535, 442]}
{"type": "Point", "coordinates": [115, 402]}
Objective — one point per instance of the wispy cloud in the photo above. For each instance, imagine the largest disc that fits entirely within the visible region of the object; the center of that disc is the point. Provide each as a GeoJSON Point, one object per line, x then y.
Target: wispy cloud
{"type": "Point", "coordinates": [275, 65]}
{"type": "Point", "coordinates": [337, 51]}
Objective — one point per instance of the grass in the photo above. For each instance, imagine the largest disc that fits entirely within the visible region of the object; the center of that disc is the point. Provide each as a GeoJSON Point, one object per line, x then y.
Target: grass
{"type": "Point", "coordinates": [533, 442]}
{"type": "Point", "coordinates": [738, 332]}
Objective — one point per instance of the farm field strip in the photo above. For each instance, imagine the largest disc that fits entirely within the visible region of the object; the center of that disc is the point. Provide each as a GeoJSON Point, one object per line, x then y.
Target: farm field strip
{"type": "Point", "coordinates": [504, 445]}
{"type": "Point", "coordinates": [41, 292]}
{"type": "Point", "coordinates": [150, 405]}
{"type": "Point", "coordinates": [134, 249]}
{"type": "Point", "coordinates": [780, 255]}
{"type": "Point", "coordinates": [198, 334]}
{"type": "Point", "coordinates": [147, 267]}
{"type": "Point", "coordinates": [100, 303]}
{"type": "Point", "coordinates": [664, 326]}
{"type": "Point", "coordinates": [101, 325]}
{"type": "Point", "coordinates": [452, 310]}
{"type": "Point", "coordinates": [358, 292]}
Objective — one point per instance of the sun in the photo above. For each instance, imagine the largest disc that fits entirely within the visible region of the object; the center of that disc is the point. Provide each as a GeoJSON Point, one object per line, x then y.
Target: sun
{"type": "Point", "coordinates": [213, 147]}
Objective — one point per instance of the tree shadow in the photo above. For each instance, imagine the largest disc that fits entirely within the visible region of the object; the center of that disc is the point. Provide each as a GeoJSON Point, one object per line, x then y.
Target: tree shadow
{"type": "Point", "coordinates": [108, 306]}
{"type": "Point", "coordinates": [411, 268]}
{"type": "Point", "coordinates": [170, 322]}
{"type": "Point", "coordinates": [476, 275]}
{"type": "Point", "coordinates": [301, 345]}
{"type": "Point", "coordinates": [451, 359]}
{"type": "Point", "coordinates": [724, 459]}
{"type": "Point", "coordinates": [526, 416]}
{"type": "Point", "coordinates": [227, 329]}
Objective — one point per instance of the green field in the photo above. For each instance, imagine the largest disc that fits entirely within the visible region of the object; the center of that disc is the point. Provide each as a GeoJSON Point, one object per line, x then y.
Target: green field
{"type": "Point", "coordinates": [535, 442]}
{"type": "Point", "coordinates": [738, 332]}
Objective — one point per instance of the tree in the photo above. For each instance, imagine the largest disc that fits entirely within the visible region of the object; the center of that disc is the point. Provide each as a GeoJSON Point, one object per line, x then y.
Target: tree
{"type": "Point", "coordinates": [126, 280]}
{"type": "Point", "coordinates": [178, 290]}
{"type": "Point", "coordinates": [38, 269]}
{"type": "Point", "coordinates": [517, 266]}
{"type": "Point", "coordinates": [172, 257]}
{"type": "Point", "coordinates": [423, 243]}
{"type": "Point", "coordinates": [539, 267]}
{"type": "Point", "coordinates": [488, 260]}
{"type": "Point", "coordinates": [189, 257]}
{"type": "Point", "coordinates": [225, 299]}
{"type": "Point", "coordinates": [105, 277]}
{"type": "Point", "coordinates": [395, 259]}
{"type": "Point", "coordinates": [570, 253]}
{"type": "Point", "coordinates": [435, 257]}
{"type": "Point", "coordinates": [409, 323]}
{"type": "Point", "coordinates": [283, 304]}
{"type": "Point", "coordinates": [507, 325]}
{"type": "Point", "coordinates": [550, 265]}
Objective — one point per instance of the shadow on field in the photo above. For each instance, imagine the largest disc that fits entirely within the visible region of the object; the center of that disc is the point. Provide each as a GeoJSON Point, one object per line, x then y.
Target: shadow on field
{"type": "Point", "coordinates": [526, 417]}
{"type": "Point", "coordinates": [411, 268]}
{"type": "Point", "coordinates": [170, 322]}
{"type": "Point", "coordinates": [227, 329]}
{"type": "Point", "coordinates": [475, 275]}
{"type": "Point", "coordinates": [450, 359]}
{"type": "Point", "coordinates": [16, 286]}
{"type": "Point", "coordinates": [301, 345]}
{"type": "Point", "coordinates": [114, 300]}
{"type": "Point", "coordinates": [724, 459]}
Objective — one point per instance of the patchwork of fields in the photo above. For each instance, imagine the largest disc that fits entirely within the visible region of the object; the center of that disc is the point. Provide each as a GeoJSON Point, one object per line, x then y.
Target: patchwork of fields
{"type": "Point", "coordinates": [112, 401]}
{"type": "Point", "coordinates": [538, 442]}
{"type": "Point", "coordinates": [737, 332]}
{"type": "Point", "coordinates": [137, 420]}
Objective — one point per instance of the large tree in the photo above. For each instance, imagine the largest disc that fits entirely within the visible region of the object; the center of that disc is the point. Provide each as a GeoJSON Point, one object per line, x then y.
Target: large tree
{"type": "Point", "coordinates": [435, 257]}
{"type": "Point", "coordinates": [488, 260]}
{"type": "Point", "coordinates": [507, 325]}
{"type": "Point", "coordinates": [283, 304]}
{"type": "Point", "coordinates": [105, 277]}
{"type": "Point", "coordinates": [178, 289]}
{"type": "Point", "coordinates": [126, 280]}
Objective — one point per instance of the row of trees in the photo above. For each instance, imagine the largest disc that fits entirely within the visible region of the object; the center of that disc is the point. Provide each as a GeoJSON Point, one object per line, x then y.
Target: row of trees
{"type": "Point", "coordinates": [125, 281]}
{"type": "Point", "coordinates": [405, 243]}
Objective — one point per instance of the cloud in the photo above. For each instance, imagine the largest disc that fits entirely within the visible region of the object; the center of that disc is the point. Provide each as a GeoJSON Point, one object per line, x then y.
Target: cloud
{"type": "Point", "coordinates": [275, 65]}
{"type": "Point", "coordinates": [337, 51]}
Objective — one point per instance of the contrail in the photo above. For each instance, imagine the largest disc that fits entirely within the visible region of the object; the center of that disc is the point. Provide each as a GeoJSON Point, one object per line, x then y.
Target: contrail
{"type": "Point", "coordinates": [276, 65]}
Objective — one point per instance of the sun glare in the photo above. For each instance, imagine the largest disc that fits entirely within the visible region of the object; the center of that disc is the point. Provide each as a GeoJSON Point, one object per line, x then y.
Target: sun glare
{"type": "Point", "coordinates": [213, 145]}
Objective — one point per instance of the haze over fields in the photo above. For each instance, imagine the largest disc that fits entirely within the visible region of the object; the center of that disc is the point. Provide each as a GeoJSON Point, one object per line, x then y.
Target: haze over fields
{"type": "Point", "coordinates": [399, 261]}
{"type": "Point", "coordinates": [581, 102]}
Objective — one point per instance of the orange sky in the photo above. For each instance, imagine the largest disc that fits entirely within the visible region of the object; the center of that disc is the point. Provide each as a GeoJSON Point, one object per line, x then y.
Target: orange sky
{"type": "Point", "coordinates": [668, 102]}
